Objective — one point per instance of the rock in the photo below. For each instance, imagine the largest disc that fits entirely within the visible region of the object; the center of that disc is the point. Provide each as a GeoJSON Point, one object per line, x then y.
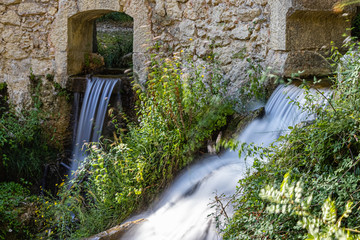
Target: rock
{"type": "Point", "coordinates": [160, 8]}
{"type": "Point", "coordinates": [41, 67]}
{"type": "Point", "coordinates": [93, 63]}
{"type": "Point", "coordinates": [261, 2]}
{"type": "Point", "coordinates": [246, 15]}
{"type": "Point", "coordinates": [240, 32]}
{"type": "Point", "coordinates": [9, 2]}
{"type": "Point", "coordinates": [13, 51]}
{"type": "Point", "coordinates": [187, 29]}
{"type": "Point", "coordinates": [116, 232]}
{"type": "Point", "coordinates": [31, 9]}
{"type": "Point", "coordinates": [11, 34]}
{"type": "Point", "coordinates": [52, 11]}
{"type": "Point", "coordinates": [10, 17]}
{"type": "Point", "coordinates": [173, 10]}
{"type": "Point", "coordinates": [239, 121]}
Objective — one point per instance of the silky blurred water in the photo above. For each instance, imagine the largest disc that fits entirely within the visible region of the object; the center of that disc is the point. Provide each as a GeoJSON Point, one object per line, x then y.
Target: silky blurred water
{"type": "Point", "coordinates": [91, 119]}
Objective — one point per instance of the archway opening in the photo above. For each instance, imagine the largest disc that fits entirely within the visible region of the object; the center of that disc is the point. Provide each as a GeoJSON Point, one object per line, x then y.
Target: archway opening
{"type": "Point", "coordinates": [114, 39]}
{"type": "Point", "coordinates": [98, 40]}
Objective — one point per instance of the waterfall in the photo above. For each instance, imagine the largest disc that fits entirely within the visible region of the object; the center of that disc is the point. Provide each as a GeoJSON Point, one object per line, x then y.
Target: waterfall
{"type": "Point", "coordinates": [91, 119]}
{"type": "Point", "coordinates": [183, 210]}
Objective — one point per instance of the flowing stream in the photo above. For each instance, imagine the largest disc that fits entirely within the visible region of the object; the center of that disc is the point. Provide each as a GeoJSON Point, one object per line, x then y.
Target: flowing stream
{"type": "Point", "coordinates": [182, 213]}
{"type": "Point", "coordinates": [91, 119]}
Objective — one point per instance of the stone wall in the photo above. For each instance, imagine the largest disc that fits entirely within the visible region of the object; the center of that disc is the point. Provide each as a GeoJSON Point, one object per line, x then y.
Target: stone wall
{"type": "Point", "coordinates": [229, 29]}
{"type": "Point", "coordinates": [24, 44]}
{"type": "Point", "coordinates": [52, 36]}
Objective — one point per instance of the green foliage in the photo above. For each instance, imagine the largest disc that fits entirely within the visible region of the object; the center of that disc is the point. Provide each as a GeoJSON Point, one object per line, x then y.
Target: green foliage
{"type": "Point", "coordinates": [23, 147]}
{"type": "Point", "coordinates": [253, 90]}
{"type": "Point", "coordinates": [116, 16]}
{"type": "Point", "coordinates": [177, 113]}
{"type": "Point", "coordinates": [322, 156]}
{"type": "Point", "coordinates": [290, 201]}
{"type": "Point", "coordinates": [15, 211]}
{"type": "Point", "coordinates": [113, 46]}
{"type": "Point", "coordinates": [62, 91]}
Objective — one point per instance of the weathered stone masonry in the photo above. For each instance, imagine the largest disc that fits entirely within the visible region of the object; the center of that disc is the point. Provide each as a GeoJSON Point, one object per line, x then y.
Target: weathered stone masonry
{"type": "Point", "coordinates": [51, 36]}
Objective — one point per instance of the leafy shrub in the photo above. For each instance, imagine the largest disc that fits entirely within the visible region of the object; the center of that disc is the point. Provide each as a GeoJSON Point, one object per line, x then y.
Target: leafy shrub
{"type": "Point", "coordinates": [290, 201]}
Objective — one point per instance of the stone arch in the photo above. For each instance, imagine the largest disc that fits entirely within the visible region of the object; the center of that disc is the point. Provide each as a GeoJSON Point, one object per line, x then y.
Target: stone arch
{"type": "Point", "coordinates": [80, 38]}
{"type": "Point", "coordinates": [71, 35]}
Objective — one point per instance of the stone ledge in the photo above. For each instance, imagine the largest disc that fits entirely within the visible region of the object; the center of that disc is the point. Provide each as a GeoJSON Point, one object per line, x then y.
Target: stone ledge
{"type": "Point", "coordinates": [309, 63]}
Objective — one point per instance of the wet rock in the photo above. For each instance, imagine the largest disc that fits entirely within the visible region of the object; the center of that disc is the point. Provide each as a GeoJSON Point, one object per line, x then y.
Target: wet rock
{"type": "Point", "coordinates": [239, 121]}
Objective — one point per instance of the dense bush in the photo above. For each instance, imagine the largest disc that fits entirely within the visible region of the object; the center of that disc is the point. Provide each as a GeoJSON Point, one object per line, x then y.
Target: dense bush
{"type": "Point", "coordinates": [322, 158]}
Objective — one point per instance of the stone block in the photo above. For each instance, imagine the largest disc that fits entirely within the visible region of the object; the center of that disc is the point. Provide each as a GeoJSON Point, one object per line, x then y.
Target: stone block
{"type": "Point", "coordinates": [160, 8]}
{"type": "Point", "coordinates": [10, 17]}
{"type": "Point", "coordinates": [241, 32]}
{"type": "Point", "coordinates": [42, 67]}
{"type": "Point", "coordinates": [323, 5]}
{"type": "Point", "coordinates": [173, 10]}
{"type": "Point", "coordinates": [13, 51]}
{"type": "Point", "coordinates": [187, 29]}
{"type": "Point", "coordinates": [247, 15]}
{"type": "Point", "coordinates": [9, 2]}
{"type": "Point", "coordinates": [31, 9]}
{"type": "Point", "coordinates": [308, 30]}
{"type": "Point", "coordinates": [11, 34]}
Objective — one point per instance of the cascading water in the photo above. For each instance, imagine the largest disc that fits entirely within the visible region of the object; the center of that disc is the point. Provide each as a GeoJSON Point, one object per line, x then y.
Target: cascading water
{"type": "Point", "coordinates": [89, 127]}
{"type": "Point", "coordinates": [183, 210]}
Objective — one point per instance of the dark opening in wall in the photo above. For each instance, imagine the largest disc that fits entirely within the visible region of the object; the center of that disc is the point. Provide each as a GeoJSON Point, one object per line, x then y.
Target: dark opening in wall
{"type": "Point", "coordinates": [113, 39]}
{"type": "Point", "coordinates": [355, 24]}
{"type": "Point", "coordinates": [3, 98]}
